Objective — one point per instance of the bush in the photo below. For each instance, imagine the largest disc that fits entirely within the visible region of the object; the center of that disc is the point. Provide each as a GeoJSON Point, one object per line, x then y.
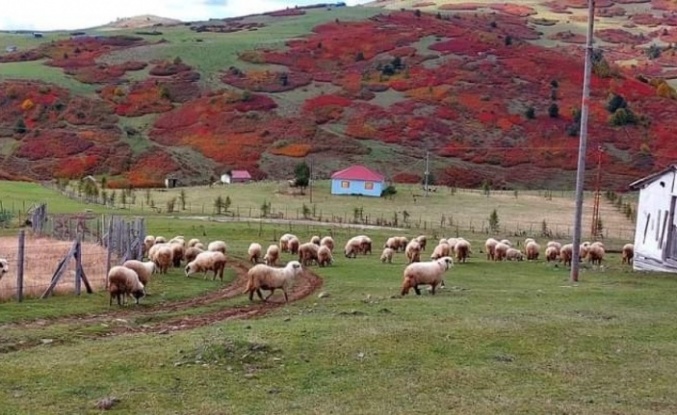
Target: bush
{"type": "Point", "coordinates": [622, 116]}
{"type": "Point", "coordinates": [530, 113]}
{"type": "Point", "coordinates": [553, 110]}
{"type": "Point", "coordinates": [615, 102]}
{"type": "Point", "coordinates": [389, 191]}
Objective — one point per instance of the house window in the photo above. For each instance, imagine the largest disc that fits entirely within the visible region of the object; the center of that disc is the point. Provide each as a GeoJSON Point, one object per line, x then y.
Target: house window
{"type": "Point", "coordinates": [369, 185]}
{"type": "Point", "coordinates": [345, 184]}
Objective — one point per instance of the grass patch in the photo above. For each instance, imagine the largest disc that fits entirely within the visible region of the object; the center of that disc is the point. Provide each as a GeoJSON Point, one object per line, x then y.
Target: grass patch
{"type": "Point", "coordinates": [38, 71]}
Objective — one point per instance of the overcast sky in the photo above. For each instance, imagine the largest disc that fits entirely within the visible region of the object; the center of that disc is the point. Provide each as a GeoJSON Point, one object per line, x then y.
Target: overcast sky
{"type": "Point", "coordinates": [82, 14]}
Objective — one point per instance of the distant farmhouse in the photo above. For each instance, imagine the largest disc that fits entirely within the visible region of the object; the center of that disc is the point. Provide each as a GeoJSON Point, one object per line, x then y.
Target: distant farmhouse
{"type": "Point", "coordinates": [656, 228]}
{"type": "Point", "coordinates": [357, 180]}
{"type": "Point", "coordinates": [236, 176]}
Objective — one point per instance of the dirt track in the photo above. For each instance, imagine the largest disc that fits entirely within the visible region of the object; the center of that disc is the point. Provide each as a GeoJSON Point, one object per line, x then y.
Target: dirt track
{"type": "Point", "coordinates": [304, 286]}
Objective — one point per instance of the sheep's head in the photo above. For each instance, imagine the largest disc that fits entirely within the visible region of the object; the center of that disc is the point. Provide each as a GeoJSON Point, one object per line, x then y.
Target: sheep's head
{"type": "Point", "coordinates": [139, 293]}
{"type": "Point", "coordinates": [4, 267]}
{"type": "Point", "coordinates": [295, 266]}
{"type": "Point", "coordinates": [447, 262]}
{"type": "Point", "coordinates": [190, 268]}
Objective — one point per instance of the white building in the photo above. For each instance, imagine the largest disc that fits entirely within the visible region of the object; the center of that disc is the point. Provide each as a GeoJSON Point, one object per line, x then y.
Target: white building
{"type": "Point", "coordinates": [656, 230]}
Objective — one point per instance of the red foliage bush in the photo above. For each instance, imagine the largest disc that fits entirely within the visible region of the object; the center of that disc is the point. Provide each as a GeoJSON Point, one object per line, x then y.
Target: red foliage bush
{"type": "Point", "coordinates": [267, 81]}
{"type": "Point", "coordinates": [292, 150]}
{"type": "Point", "coordinates": [620, 36]}
{"type": "Point", "coordinates": [166, 68]}
{"type": "Point", "coordinates": [514, 9]}
{"type": "Point", "coordinates": [151, 168]}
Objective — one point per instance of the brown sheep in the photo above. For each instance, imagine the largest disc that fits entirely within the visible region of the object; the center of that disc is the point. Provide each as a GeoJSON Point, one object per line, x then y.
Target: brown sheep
{"type": "Point", "coordinates": [532, 250]}
{"type": "Point", "coordinates": [272, 255]}
{"type": "Point", "coordinates": [254, 252]}
{"type": "Point", "coordinates": [324, 257]}
{"type": "Point", "coordinates": [628, 253]}
{"type": "Point", "coordinates": [122, 283]}
{"type": "Point", "coordinates": [490, 248]}
{"type": "Point", "coordinates": [413, 251]}
{"type": "Point", "coordinates": [192, 253]}
{"type": "Point", "coordinates": [308, 253]}
{"type": "Point", "coordinates": [566, 254]}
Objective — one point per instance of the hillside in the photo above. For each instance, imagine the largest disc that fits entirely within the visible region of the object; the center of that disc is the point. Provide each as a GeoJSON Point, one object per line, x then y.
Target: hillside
{"type": "Point", "coordinates": [491, 90]}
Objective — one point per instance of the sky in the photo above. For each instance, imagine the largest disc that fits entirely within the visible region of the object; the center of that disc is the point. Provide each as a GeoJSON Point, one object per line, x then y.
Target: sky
{"type": "Point", "coordinates": [81, 14]}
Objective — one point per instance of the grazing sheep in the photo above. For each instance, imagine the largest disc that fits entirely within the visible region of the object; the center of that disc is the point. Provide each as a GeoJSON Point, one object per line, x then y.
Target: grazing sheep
{"type": "Point", "coordinates": [426, 273]}
{"type": "Point", "coordinates": [595, 254]}
{"type": "Point", "coordinates": [393, 243]}
{"type": "Point", "coordinates": [308, 253]}
{"type": "Point", "coordinates": [272, 255]}
{"type": "Point", "coordinates": [193, 242]}
{"type": "Point", "coordinates": [583, 250]}
{"type": "Point", "coordinates": [532, 250]}
{"type": "Point", "coordinates": [328, 241]}
{"type": "Point", "coordinates": [284, 241]}
{"type": "Point", "coordinates": [160, 240]}
{"type": "Point", "coordinates": [217, 246]}
{"type": "Point", "coordinates": [422, 241]}
{"type": "Point", "coordinates": [207, 261]}
{"type": "Point", "coordinates": [178, 240]}
{"type": "Point", "coordinates": [263, 277]}
{"type": "Point", "coordinates": [506, 242]}
{"type": "Point", "coordinates": [122, 283]}
{"type": "Point", "coordinates": [192, 253]}
{"type": "Point", "coordinates": [490, 248]}
{"type": "Point", "coordinates": [200, 246]}
{"type": "Point", "coordinates": [500, 251]}
{"type": "Point", "coordinates": [441, 250]}
{"type": "Point", "coordinates": [4, 267]}
{"type": "Point", "coordinates": [513, 254]}
{"type": "Point", "coordinates": [315, 240]}
{"type": "Point", "coordinates": [403, 243]}
{"type": "Point", "coordinates": [353, 247]}
{"type": "Point", "coordinates": [143, 270]}
{"type": "Point", "coordinates": [413, 251]}
{"type": "Point", "coordinates": [162, 256]}
{"type": "Point", "coordinates": [551, 253]}
{"type": "Point", "coordinates": [148, 242]}
{"type": "Point", "coordinates": [387, 255]}
{"type": "Point", "coordinates": [566, 254]}
{"type": "Point", "coordinates": [324, 257]}
{"type": "Point", "coordinates": [555, 245]}
{"type": "Point", "coordinates": [628, 254]}
{"type": "Point", "coordinates": [597, 243]}
{"type": "Point", "coordinates": [294, 245]}
{"type": "Point", "coordinates": [462, 250]}
{"type": "Point", "coordinates": [526, 242]}
{"type": "Point", "coordinates": [254, 252]}
{"type": "Point", "coordinates": [365, 244]}
{"type": "Point", "coordinates": [452, 244]}
{"type": "Point", "coordinates": [178, 252]}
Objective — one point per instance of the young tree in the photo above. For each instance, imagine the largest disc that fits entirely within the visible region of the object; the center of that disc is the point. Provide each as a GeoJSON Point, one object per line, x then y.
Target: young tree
{"type": "Point", "coordinates": [493, 221]}
{"type": "Point", "coordinates": [553, 110]}
{"type": "Point", "coordinates": [182, 199]}
{"type": "Point", "coordinates": [301, 175]}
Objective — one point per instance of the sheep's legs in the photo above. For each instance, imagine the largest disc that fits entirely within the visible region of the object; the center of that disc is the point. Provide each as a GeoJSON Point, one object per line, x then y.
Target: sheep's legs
{"type": "Point", "coordinates": [286, 298]}
{"type": "Point", "coordinates": [272, 291]}
{"type": "Point", "coordinates": [432, 291]}
{"type": "Point", "coordinates": [418, 291]}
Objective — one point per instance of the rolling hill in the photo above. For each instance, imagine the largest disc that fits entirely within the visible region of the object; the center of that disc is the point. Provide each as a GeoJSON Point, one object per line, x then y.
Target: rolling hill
{"type": "Point", "coordinates": [491, 90]}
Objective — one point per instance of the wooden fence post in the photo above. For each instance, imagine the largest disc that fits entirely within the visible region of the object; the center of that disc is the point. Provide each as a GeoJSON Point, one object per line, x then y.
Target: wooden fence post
{"type": "Point", "coordinates": [78, 265]}
{"type": "Point", "coordinates": [20, 267]}
{"type": "Point", "coordinates": [109, 250]}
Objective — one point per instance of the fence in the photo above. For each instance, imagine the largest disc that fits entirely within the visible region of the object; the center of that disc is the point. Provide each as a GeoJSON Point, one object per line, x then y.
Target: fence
{"type": "Point", "coordinates": [64, 253]}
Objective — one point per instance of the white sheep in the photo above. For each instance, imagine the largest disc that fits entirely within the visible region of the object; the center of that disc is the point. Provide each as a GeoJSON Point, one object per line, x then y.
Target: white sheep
{"type": "Point", "coordinates": [595, 253]}
{"type": "Point", "coordinates": [324, 256]}
{"type": "Point", "coordinates": [500, 251]}
{"type": "Point", "coordinates": [452, 244]}
{"type": "Point", "coordinates": [254, 252]}
{"type": "Point", "coordinates": [387, 255]}
{"type": "Point", "coordinates": [308, 253]}
{"type": "Point", "coordinates": [4, 267]}
{"type": "Point", "coordinates": [513, 254]}
{"type": "Point", "coordinates": [403, 243]}
{"type": "Point", "coordinates": [353, 247]}
{"type": "Point", "coordinates": [284, 241]}
{"type": "Point", "coordinates": [192, 253]}
{"type": "Point", "coordinates": [207, 261]}
{"type": "Point", "coordinates": [532, 250]}
{"type": "Point", "coordinates": [551, 253]}
{"type": "Point", "coordinates": [628, 253]}
{"type": "Point", "coordinates": [148, 242]}
{"type": "Point", "coordinates": [315, 240]}
{"type": "Point", "coordinates": [422, 273]}
{"type": "Point", "coordinates": [217, 246]}
{"type": "Point", "coordinates": [200, 246]}
{"type": "Point", "coordinates": [393, 243]}
{"type": "Point", "coordinates": [566, 254]}
{"type": "Point", "coordinates": [178, 251]}
{"type": "Point", "coordinates": [413, 251]}
{"type": "Point", "coordinates": [462, 250]}
{"type": "Point", "coordinates": [328, 241]}
{"type": "Point", "coordinates": [161, 254]}
{"type": "Point", "coordinates": [193, 242]}
{"type": "Point", "coordinates": [506, 242]}
{"type": "Point", "coordinates": [555, 245]}
{"type": "Point", "coordinates": [526, 242]}
{"type": "Point", "coordinates": [490, 248]}
{"type": "Point", "coordinates": [264, 277]}
{"type": "Point", "coordinates": [441, 250]}
{"type": "Point", "coordinates": [122, 283]}
{"type": "Point", "coordinates": [365, 244]}
{"type": "Point", "coordinates": [144, 270]}
{"type": "Point", "coordinates": [422, 241]}
{"type": "Point", "coordinates": [272, 255]}
{"type": "Point", "coordinates": [178, 240]}
{"type": "Point", "coordinates": [160, 240]}
{"type": "Point", "coordinates": [294, 244]}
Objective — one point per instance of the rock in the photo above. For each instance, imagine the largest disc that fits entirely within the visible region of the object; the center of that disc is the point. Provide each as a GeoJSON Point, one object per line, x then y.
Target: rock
{"type": "Point", "coordinates": [47, 341]}
{"type": "Point", "coordinates": [165, 331]}
{"type": "Point", "coordinates": [107, 403]}
{"type": "Point", "coordinates": [249, 375]}
{"type": "Point", "coordinates": [273, 391]}
{"type": "Point", "coordinates": [287, 319]}
{"type": "Point", "coordinates": [323, 294]}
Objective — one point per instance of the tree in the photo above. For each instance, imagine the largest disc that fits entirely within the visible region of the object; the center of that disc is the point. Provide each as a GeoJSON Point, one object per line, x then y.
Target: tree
{"type": "Point", "coordinates": [417, 13]}
{"type": "Point", "coordinates": [265, 209]}
{"type": "Point", "coordinates": [615, 102]}
{"type": "Point", "coordinates": [653, 52]}
{"type": "Point", "coordinates": [301, 175]}
{"type": "Point", "coordinates": [359, 56]}
{"type": "Point", "coordinates": [493, 221]}
{"type": "Point", "coordinates": [218, 205]}
{"type": "Point", "coordinates": [553, 110]}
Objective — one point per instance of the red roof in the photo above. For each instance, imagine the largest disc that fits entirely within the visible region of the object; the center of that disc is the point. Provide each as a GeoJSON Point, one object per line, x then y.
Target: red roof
{"type": "Point", "coordinates": [358, 172]}
{"type": "Point", "coordinates": [240, 174]}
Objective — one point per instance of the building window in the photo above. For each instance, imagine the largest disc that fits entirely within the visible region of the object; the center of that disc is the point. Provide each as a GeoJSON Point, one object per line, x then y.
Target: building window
{"type": "Point", "coordinates": [345, 184]}
{"type": "Point", "coordinates": [369, 185]}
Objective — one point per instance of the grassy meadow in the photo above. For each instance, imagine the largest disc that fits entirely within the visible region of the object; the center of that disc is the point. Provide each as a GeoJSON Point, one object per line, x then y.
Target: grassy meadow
{"type": "Point", "coordinates": [512, 337]}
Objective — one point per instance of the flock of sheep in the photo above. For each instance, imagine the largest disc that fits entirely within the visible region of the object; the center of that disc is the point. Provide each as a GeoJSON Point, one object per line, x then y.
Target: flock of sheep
{"type": "Point", "coordinates": [131, 278]}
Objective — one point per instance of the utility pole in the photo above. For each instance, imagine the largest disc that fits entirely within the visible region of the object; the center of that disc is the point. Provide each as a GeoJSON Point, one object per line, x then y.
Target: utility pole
{"type": "Point", "coordinates": [580, 172]}
{"type": "Point", "coordinates": [598, 185]}
{"type": "Point", "coordinates": [427, 171]}
{"type": "Point", "coordinates": [310, 180]}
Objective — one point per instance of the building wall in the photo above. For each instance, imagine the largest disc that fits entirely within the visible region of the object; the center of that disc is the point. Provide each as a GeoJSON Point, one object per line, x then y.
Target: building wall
{"type": "Point", "coordinates": [356, 187]}
{"type": "Point", "coordinates": [652, 230]}
{"type": "Point", "coordinates": [225, 178]}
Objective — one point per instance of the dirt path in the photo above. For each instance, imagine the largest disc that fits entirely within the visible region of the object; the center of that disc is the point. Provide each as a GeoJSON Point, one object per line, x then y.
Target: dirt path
{"type": "Point", "coordinates": [121, 320]}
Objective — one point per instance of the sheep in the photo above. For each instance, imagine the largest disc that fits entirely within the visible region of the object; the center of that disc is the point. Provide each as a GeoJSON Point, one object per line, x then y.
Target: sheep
{"type": "Point", "coordinates": [284, 242]}
{"type": "Point", "coordinates": [551, 253]}
{"type": "Point", "coordinates": [272, 255]}
{"type": "Point", "coordinates": [462, 250]}
{"type": "Point", "coordinates": [148, 242]}
{"type": "Point", "coordinates": [178, 252]}
{"type": "Point", "coordinates": [452, 244]}
{"type": "Point", "coordinates": [506, 242]}
{"type": "Point", "coordinates": [4, 267]}
{"type": "Point", "coordinates": [143, 269]}
{"type": "Point", "coordinates": [191, 253]}
{"type": "Point", "coordinates": [583, 250]}
{"type": "Point", "coordinates": [353, 247]}
{"type": "Point", "coordinates": [422, 241]}
{"type": "Point", "coordinates": [365, 244]}
{"type": "Point", "coordinates": [490, 248]}
{"type": "Point", "coordinates": [532, 250]}
{"type": "Point", "coordinates": [328, 241]}
{"type": "Point", "coordinates": [308, 253]}
{"type": "Point", "coordinates": [160, 240]}
{"type": "Point", "coordinates": [193, 242]}
{"type": "Point", "coordinates": [403, 243]}
{"type": "Point", "coordinates": [324, 257]}
{"type": "Point", "coordinates": [315, 240]}
{"type": "Point", "coordinates": [217, 246]}
{"type": "Point", "coordinates": [178, 240]}
{"type": "Point", "coordinates": [526, 242]}
{"type": "Point", "coordinates": [555, 245]}
{"type": "Point", "coordinates": [566, 254]}
{"type": "Point", "coordinates": [263, 277]}
{"type": "Point", "coordinates": [162, 256]}
{"type": "Point", "coordinates": [254, 252]}
{"type": "Point", "coordinates": [513, 254]}
{"type": "Point", "coordinates": [123, 282]}
{"type": "Point", "coordinates": [207, 261]}
{"type": "Point", "coordinates": [628, 254]}
{"type": "Point", "coordinates": [595, 254]}
{"type": "Point", "coordinates": [441, 250]}
{"type": "Point", "coordinates": [294, 244]}
{"type": "Point", "coordinates": [200, 246]}
{"type": "Point", "coordinates": [393, 243]}
{"type": "Point", "coordinates": [429, 273]}
{"type": "Point", "coordinates": [413, 251]}
{"type": "Point", "coordinates": [387, 255]}
{"type": "Point", "coordinates": [500, 251]}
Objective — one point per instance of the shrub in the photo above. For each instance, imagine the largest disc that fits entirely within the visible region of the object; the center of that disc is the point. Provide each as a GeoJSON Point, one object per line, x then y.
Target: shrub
{"type": "Point", "coordinates": [530, 113]}
{"type": "Point", "coordinates": [389, 191]}
{"type": "Point", "coordinates": [494, 222]}
{"type": "Point", "coordinates": [622, 116]}
{"type": "Point", "coordinates": [553, 110]}
{"type": "Point", "coordinates": [654, 51]}
{"type": "Point", "coordinates": [615, 102]}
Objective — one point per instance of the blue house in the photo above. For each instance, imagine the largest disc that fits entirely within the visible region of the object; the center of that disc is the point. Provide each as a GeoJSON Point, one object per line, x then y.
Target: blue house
{"type": "Point", "coordinates": [357, 180]}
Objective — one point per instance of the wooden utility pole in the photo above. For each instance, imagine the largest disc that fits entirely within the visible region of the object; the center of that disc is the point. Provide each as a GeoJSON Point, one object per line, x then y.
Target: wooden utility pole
{"type": "Point", "coordinates": [580, 172]}
{"type": "Point", "coordinates": [594, 230]}
{"type": "Point", "coordinates": [427, 171]}
{"type": "Point", "coordinates": [310, 180]}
